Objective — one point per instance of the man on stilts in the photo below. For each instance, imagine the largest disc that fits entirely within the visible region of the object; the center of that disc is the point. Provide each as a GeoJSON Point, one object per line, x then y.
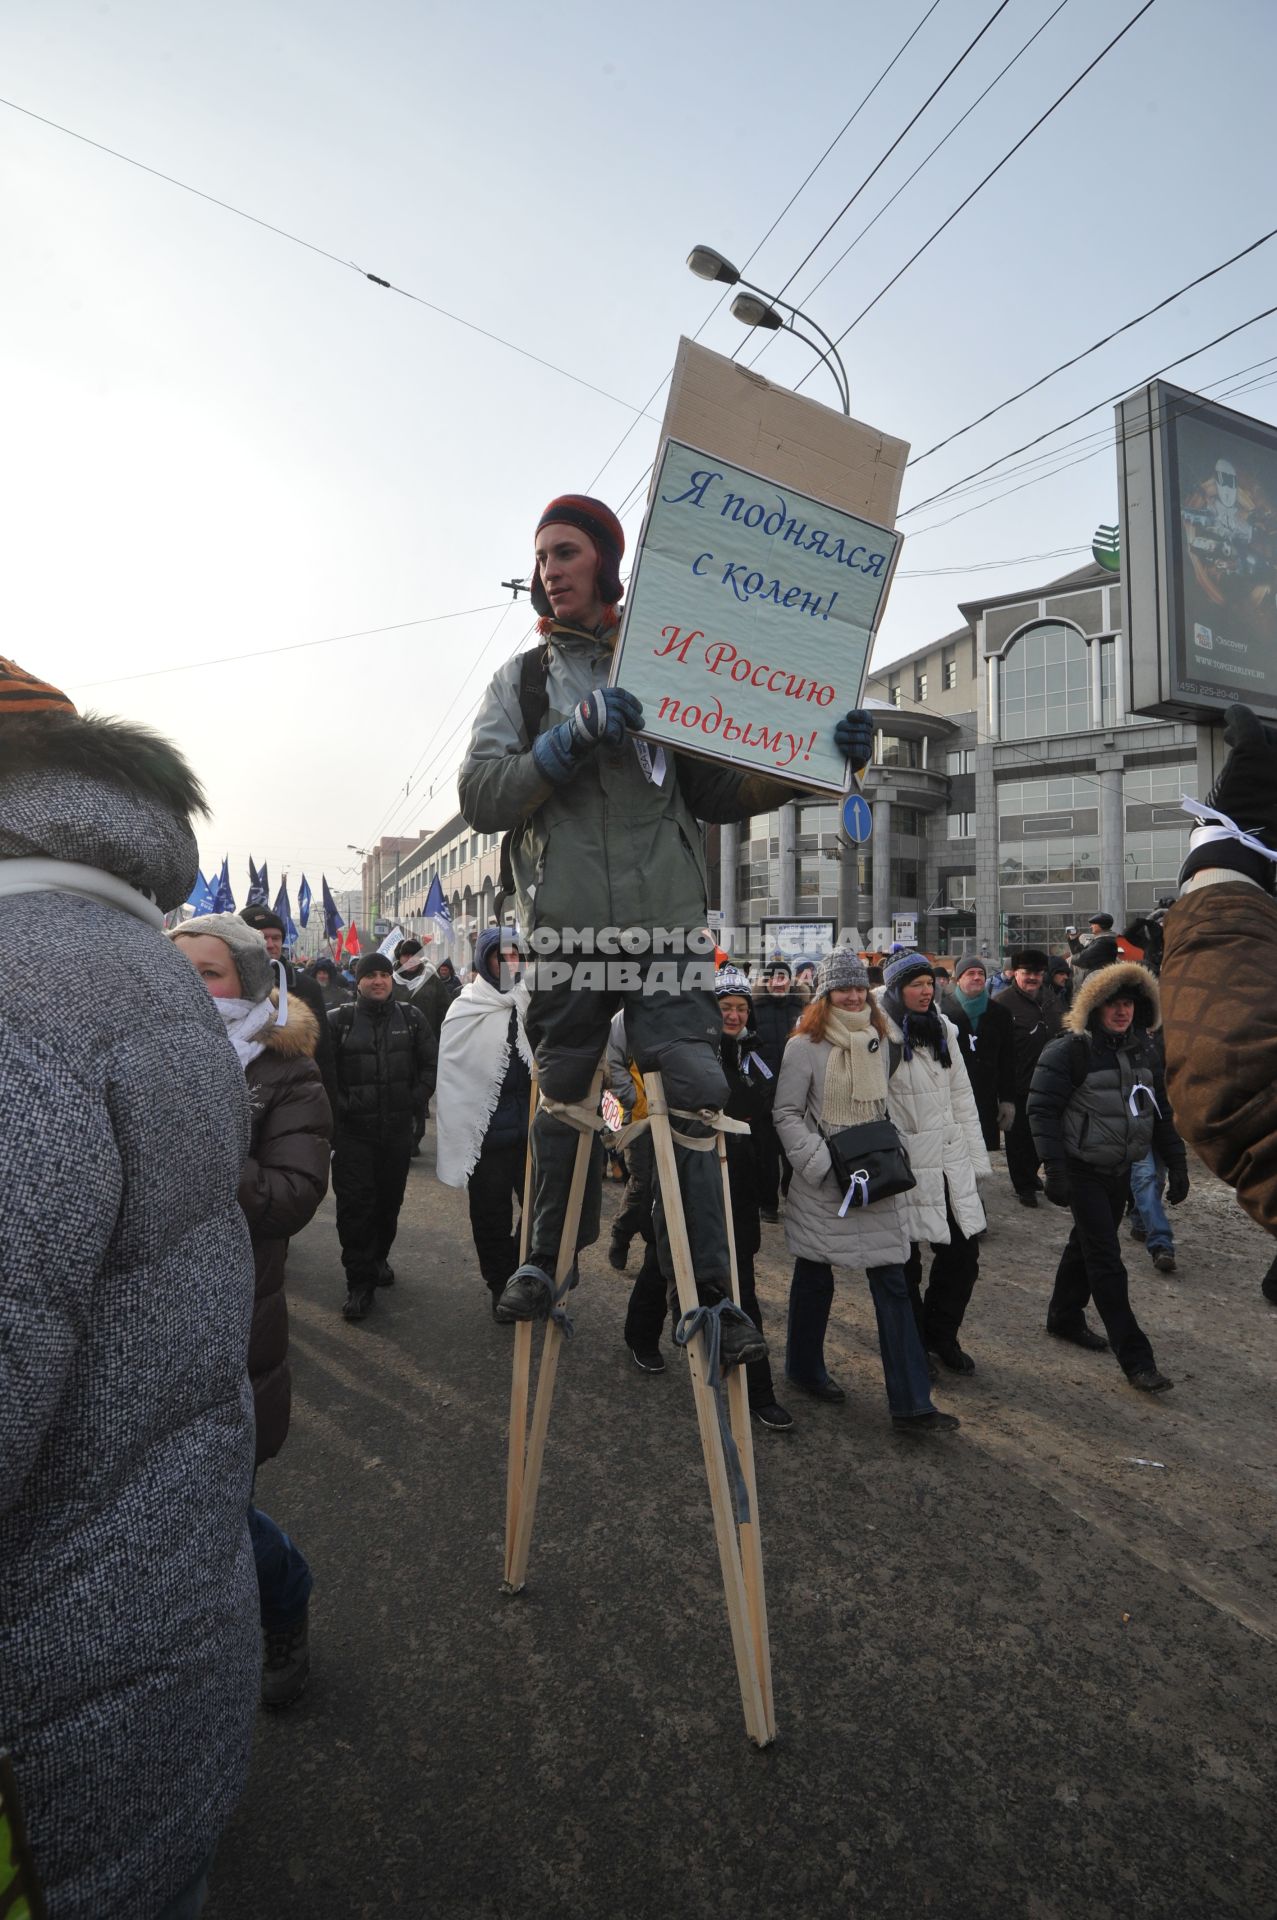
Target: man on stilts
{"type": "Point", "coordinates": [605, 856]}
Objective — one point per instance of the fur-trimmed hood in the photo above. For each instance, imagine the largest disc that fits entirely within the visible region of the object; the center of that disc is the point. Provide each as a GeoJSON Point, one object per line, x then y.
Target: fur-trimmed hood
{"type": "Point", "coordinates": [298, 1038]}
{"type": "Point", "coordinates": [102, 793]}
{"type": "Point", "coordinates": [1104, 984]}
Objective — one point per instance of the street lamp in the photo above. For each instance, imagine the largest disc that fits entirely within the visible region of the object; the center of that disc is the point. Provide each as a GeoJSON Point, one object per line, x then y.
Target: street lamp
{"type": "Point", "coordinates": [708, 264]}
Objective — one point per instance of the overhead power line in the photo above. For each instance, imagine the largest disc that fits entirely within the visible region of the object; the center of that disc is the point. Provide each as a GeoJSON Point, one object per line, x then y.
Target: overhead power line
{"type": "Point", "coordinates": [991, 174]}
{"type": "Point", "coordinates": [904, 131]}
{"type": "Point", "coordinates": [296, 239]}
{"type": "Point", "coordinates": [925, 161]}
{"type": "Point", "coordinates": [1086, 352]}
{"type": "Point", "coordinates": [294, 646]}
{"type": "Point", "coordinates": [750, 257]}
{"type": "Point", "coordinates": [1086, 412]}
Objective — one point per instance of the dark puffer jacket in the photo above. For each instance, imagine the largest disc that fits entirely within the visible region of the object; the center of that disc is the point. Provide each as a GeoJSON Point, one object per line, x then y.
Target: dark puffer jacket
{"type": "Point", "coordinates": [1100, 1098]}
{"type": "Point", "coordinates": [283, 1181]}
{"type": "Point", "coordinates": [386, 1060]}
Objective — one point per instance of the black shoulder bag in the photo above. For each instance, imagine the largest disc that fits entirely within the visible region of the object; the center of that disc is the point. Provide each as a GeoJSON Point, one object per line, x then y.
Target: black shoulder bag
{"type": "Point", "coordinates": [869, 1161]}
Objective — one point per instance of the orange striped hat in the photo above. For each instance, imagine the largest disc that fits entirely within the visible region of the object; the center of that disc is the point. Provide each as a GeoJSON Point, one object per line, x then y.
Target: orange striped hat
{"type": "Point", "coordinates": [21, 693]}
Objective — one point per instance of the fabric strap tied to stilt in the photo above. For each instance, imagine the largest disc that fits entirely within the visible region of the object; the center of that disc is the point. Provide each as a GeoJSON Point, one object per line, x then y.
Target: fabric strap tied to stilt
{"type": "Point", "coordinates": [708, 1320]}
{"type": "Point", "coordinates": [559, 1315]}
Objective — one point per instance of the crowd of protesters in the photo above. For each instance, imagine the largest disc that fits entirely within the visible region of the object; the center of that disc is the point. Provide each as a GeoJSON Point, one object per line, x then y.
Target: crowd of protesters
{"type": "Point", "coordinates": [167, 1145]}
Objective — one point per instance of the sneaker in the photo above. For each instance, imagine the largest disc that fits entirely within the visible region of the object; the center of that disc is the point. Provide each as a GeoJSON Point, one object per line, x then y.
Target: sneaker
{"type": "Point", "coordinates": [952, 1355]}
{"type": "Point", "coordinates": [358, 1301]}
{"type": "Point", "coordinates": [1164, 1260]}
{"type": "Point", "coordinates": [385, 1274]}
{"type": "Point", "coordinates": [648, 1359]}
{"type": "Point", "coordinates": [1137, 1229]}
{"type": "Point", "coordinates": [1080, 1337]}
{"type": "Point", "coordinates": [527, 1293]}
{"type": "Point", "coordinates": [1026, 1197]}
{"type": "Point", "coordinates": [933, 1422]}
{"type": "Point", "coordinates": [617, 1254]}
{"type": "Point", "coordinates": [285, 1662]}
{"type": "Point", "coordinates": [739, 1342]}
{"type": "Point", "coordinates": [770, 1215]}
{"type": "Point", "coordinates": [775, 1418]}
{"type": "Point", "coordinates": [1149, 1380]}
{"type": "Point", "coordinates": [825, 1389]}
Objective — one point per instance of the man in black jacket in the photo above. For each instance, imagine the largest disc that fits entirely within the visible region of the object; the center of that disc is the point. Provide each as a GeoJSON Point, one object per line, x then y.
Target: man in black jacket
{"type": "Point", "coordinates": [1097, 1104]}
{"type": "Point", "coordinates": [386, 1057]}
{"type": "Point", "coordinates": [1037, 1020]}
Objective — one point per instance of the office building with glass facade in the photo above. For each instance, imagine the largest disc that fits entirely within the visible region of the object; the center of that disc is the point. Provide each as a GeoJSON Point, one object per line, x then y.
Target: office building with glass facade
{"type": "Point", "coordinates": [1014, 793]}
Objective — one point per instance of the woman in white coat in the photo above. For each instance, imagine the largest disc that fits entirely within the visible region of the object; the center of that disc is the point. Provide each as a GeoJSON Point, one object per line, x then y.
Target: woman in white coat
{"type": "Point", "coordinates": [834, 1075]}
{"type": "Point", "coordinates": [934, 1111]}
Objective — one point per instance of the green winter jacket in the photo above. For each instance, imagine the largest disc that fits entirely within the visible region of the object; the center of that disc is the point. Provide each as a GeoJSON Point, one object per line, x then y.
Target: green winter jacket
{"type": "Point", "coordinates": [610, 849]}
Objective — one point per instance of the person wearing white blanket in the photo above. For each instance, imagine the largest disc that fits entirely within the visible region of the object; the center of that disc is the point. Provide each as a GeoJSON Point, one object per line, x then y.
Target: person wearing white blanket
{"type": "Point", "coordinates": [481, 1103]}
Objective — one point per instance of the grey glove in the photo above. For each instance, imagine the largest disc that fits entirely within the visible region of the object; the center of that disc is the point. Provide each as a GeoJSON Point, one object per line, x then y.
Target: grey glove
{"type": "Point", "coordinates": [1006, 1115]}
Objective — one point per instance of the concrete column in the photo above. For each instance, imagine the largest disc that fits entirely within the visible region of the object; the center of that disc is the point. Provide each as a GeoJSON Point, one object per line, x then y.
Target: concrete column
{"type": "Point", "coordinates": [1108, 769]}
{"type": "Point", "coordinates": [787, 897]}
{"type": "Point", "coordinates": [987, 904]}
{"type": "Point", "coordinates": [881, 845]}
{"type": "Point", "coordinates": [1093, 666]}
{"type": "Point", "coordinates": [728, 862]}
{"type": "Point", "coordinates": [1121, 689]}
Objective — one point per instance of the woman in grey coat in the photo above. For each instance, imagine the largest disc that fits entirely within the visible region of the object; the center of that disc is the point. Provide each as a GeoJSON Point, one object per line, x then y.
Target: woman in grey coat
{"type": "Point", "coordinates": [129, 1640]}
{"type": "Point", "coordinates": [834, 1074]}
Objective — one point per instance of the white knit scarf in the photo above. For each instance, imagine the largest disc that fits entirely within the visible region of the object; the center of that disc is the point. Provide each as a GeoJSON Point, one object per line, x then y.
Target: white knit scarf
{"type": "Point", "coordinates": [856, 1077]}
{"type": "Point", "coordinates": [474, 1052]}
{"type": "Point", "coordinates": [242, 1019]}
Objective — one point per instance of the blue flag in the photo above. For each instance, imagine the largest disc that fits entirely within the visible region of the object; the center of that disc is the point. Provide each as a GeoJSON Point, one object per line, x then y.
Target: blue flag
{"type": "Point", "coordinates": [333, 922]}
{"type": "Point", "coordinates": [195, 898]}
{"type": "Point", "coordinates": [303, 902]}
{"type": "Point", "coordinates": [258, 885]}
{"type": "Point", "coordinates": [437, 907]}
{"type": "Point", "coordinates": [223, 898]}
{"type": "Point", "coordinates": [284, 909]}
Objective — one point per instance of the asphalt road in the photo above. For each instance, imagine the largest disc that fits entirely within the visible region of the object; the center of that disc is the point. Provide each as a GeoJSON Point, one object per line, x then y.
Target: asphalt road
{"type": "Point", "coordinates": [1025, 1670]}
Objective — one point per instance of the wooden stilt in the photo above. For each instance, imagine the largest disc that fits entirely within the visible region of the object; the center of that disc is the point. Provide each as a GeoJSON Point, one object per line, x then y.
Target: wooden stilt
{"type": "Point", "coordinates": [750, 1535]}
{"type": "Point", "coordinates": [519, 1525]}
{"type": "Point", "coordinates": [746, 1640]}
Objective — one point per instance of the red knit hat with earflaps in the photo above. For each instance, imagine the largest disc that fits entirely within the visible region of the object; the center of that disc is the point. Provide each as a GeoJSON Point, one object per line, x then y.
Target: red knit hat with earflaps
{"type": "Point", "coordinates": [590, 517]}
{"type": "Point", "coordinates": [22, 694]}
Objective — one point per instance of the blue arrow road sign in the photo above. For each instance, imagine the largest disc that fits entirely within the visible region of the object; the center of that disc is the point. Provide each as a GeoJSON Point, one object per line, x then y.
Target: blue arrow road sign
{"type": "Point", "coordinates": [857, 818]}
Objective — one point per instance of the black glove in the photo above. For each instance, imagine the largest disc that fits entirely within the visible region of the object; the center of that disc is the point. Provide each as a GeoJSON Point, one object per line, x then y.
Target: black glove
{"type": "Point", "coordinates": [854, 736]}
{"type": "Point", "coordinates": [1246, 789]}
{"type": "Point", "coordinates": [1057, 1186]}
{"type": "Point", "coordinates": [1177, 1185]}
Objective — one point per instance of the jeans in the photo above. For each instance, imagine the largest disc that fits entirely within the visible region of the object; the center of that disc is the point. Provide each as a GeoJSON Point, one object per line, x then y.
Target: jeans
{"type": "Point", "coordinates": [954, 1271]}
{"type": "Point", "coordinates": [1148, 1179]}
{"type": "Point", "coordinates": [1091, 1267]}
{"type": "Point", "coordinates": [284, 1580]}
{"type": "Point", "coordinates": [904, 1363]}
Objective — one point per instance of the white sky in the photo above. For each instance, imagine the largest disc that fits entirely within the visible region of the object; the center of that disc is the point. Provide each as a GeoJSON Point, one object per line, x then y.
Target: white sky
{"type": "Point", "coordinates": [219, 442]}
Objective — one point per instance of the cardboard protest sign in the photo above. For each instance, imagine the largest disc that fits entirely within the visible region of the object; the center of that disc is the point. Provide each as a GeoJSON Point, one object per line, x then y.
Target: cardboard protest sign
{"type": "Point", "coordinates": [749, 619]}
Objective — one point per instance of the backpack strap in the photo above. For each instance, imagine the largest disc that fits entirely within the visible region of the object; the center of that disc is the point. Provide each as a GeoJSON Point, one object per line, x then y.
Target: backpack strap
{"type": "Point", "coordinates": [534, 700]}
{"type": "Point", "coordinates": [895, 1054]}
